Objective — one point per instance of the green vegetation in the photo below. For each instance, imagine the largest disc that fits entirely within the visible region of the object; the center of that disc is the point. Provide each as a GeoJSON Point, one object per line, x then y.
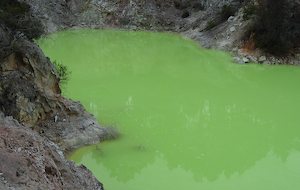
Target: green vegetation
{"type": "Point", "coordinates": [16, 15]}
{"type": "Point", "coordinates": [13, 7]}
{"type": "Point", "coordinates": [62, 71]}
{"type": "Point", "coordinates": [225, 12]}
{"type": "Point", "coordinates": [249, 11]}
{"type": "Point", "coordinates": [277, 26]}
{"type": "Point", "coordinates": [198, 6]}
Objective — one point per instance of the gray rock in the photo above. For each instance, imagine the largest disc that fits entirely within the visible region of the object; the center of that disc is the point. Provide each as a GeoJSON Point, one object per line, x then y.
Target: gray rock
{"type": "Point", "coordinates": [231, 18]}
{"type": "Point", "coordinates": [238, 60]}
{"type": "Point", "coordinates": [245, 60]}
{"type": "Point", "coordinates": [235, 49]}
{"type": "Point", "coordinates": [55, 118]}
{"type": "Point", "coordinates": [262, 59]}
{"type": "Point", "coordinates": [252, 58]}
{"type": "Point", "coordinates": [232, 29]}
{"type": "Point", "coordinates": [48, 167]}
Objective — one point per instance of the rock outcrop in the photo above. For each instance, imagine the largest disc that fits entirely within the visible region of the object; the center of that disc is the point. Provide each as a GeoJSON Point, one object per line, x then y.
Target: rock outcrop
{"type": "Point", "coordinates": [29, 161]}
{"type": "Point", "coordinates": [38, 124]}
{"type": "Point", "coordinates": [30, 93]}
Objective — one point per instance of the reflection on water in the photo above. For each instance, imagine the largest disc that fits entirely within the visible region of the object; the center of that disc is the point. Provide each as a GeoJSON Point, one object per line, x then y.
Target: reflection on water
{"type": "Point", "coordinates": [190, 118]}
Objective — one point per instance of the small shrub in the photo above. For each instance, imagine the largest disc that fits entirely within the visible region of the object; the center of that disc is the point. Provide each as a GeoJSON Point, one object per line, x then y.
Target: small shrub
{"type": "Point", "coordinates": [198, 6]}
{"type": "Point", "coordinates": [62, 71]}
{"type": "Point", "coordinates": [181, 5]}
{"type": "Point", "coordinates": [249, 11]}
{"type": "Point", "coordinates": [222, 16]}
{"type": "Point", "coordinates": [277, 29]}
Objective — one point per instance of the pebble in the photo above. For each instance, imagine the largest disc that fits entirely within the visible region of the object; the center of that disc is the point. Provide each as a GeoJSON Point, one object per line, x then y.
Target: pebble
{"type": "Point", "coordinates": [55, 118]}
{"type": "Point", "coordinates": [262, 59]}
{"type": "Point", "coordinates": [245, 60]}
{"type": "Point", "coordinates": [230, 19]}
{"type": "Point", "coordinates": [238, 60]}
{"type": "Point", "coordinates": [252, 58]}
{"type": "Point", "coordinates": [232, 29]}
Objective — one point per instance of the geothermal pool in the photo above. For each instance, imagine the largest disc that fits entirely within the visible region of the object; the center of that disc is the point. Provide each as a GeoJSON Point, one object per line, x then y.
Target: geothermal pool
{"type": "Point", "coordinates": [189, 118]}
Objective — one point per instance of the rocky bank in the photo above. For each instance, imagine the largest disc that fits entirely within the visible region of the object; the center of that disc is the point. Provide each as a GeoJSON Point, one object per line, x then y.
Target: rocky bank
{"type": "Point", "coordinates": [30, 161]}
{"type": "Point", "coordinates": [37, 124]}
{"type": "Point", "coordinates": [219, 24]}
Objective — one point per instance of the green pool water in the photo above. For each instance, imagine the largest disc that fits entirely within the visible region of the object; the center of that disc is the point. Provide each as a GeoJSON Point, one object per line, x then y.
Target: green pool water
{"type": "Point", "coordinates": [189, 118]}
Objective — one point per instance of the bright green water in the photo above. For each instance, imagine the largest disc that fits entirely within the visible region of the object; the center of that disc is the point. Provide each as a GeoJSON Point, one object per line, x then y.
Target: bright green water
{"type": "Point", "coordinates": [189, 118]}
